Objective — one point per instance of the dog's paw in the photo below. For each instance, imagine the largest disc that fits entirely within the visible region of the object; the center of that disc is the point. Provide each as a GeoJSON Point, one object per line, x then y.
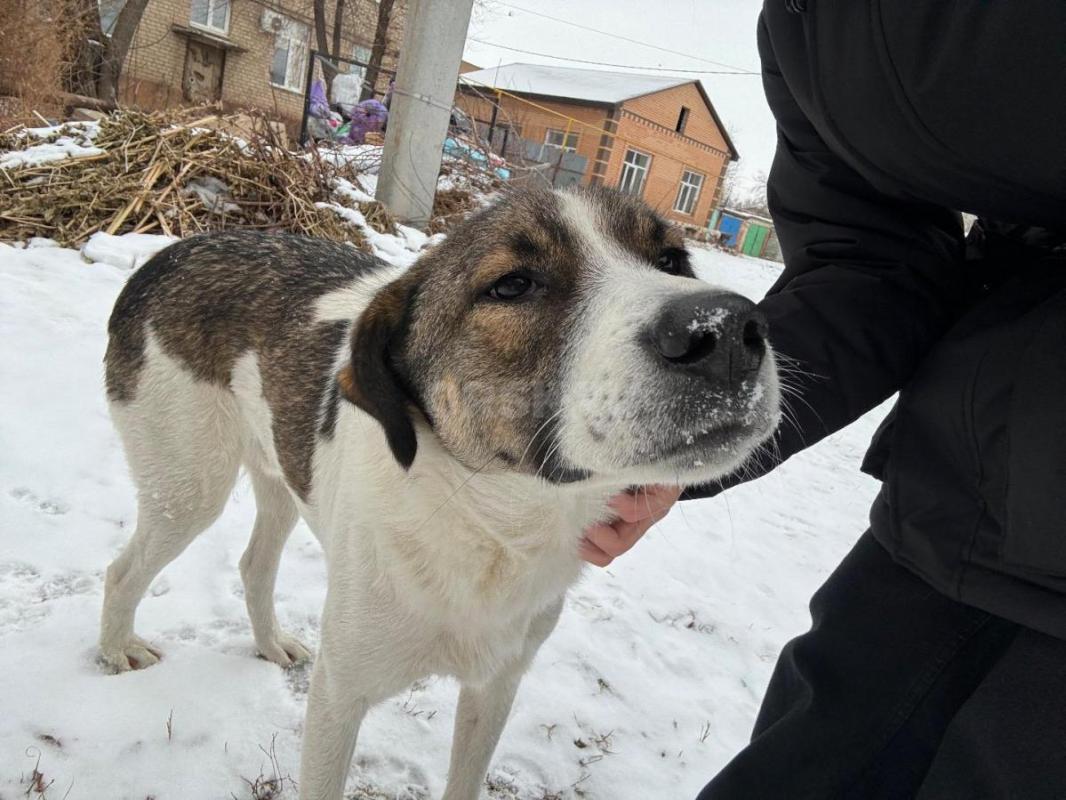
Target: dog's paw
{"type": "Point", "coordinates": [134, 654]}
{"type": "Point", "coordinates": [284, 650]}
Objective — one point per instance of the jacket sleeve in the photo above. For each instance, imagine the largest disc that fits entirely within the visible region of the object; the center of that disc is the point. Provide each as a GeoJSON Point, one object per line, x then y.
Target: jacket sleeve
{"type": "Point", "coordinates": [870, 283]}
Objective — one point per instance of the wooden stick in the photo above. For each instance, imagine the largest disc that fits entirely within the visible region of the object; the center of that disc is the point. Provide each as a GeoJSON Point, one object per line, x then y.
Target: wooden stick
{"type": "Point", "coordinates": [137, 200]}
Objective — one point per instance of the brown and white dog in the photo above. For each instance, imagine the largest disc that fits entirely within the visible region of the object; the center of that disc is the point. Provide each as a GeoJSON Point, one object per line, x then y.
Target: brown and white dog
{"type": "Point", "coordinates": [447, 431]}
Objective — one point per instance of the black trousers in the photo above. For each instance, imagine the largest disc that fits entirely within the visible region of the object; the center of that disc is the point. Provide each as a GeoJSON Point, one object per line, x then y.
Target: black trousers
{"type": "Point", "coordinates": [898, 693]}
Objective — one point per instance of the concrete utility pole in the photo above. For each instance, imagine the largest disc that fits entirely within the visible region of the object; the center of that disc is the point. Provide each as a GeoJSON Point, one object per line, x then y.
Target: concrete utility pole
{"type": "Point", "coordinates": [421, 106]}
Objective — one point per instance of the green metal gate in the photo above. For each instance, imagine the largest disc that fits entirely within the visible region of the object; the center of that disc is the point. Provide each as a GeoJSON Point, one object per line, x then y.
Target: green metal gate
{"type": "Point", "coordinates": [755, 240]}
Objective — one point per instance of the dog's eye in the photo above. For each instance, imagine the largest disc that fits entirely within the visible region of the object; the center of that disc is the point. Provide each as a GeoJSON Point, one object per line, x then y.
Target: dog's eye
{"type": "Point", "coordinates": [673, 261]}
{"type": "Point", "coordinates": [513, 286]}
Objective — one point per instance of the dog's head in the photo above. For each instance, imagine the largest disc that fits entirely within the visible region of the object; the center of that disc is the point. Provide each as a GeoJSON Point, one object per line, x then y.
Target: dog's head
{"type": "Point", "coordinates": [564, 334]}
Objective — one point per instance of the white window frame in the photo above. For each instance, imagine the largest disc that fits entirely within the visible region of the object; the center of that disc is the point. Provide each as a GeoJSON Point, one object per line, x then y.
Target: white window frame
{"type": "Point", "coordinates": [359, 53]}
{"type": "Point", "coordinates": [297, 36]}
{"type": "Point", "coordinates": [211, 7]}
{"type": "Point", "coordinates": [629, 168]}
{"type": "Point", "coordinates": [688, 191]}
{"type": "Point", "coordinates": [567, 140]}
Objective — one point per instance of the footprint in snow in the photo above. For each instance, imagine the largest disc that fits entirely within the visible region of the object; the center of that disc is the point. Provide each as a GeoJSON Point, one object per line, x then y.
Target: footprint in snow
{"type": "Point", "coordinates": [18, 571]}
{"type": "Point", "coordinates": [50, 507]}
{"type": "Point", "coordinates": [298, 677]}
{"type": "Point", "coordinates": [67, 584]}
{"type": "Point", "coordinates": [15, 617]}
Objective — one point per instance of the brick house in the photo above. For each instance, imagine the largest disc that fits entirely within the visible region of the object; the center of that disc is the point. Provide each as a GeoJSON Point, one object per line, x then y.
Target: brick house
{"type": "Point", "coordinates": [244, 53]}
{"type": "Point", "coordinates": [655, 136]}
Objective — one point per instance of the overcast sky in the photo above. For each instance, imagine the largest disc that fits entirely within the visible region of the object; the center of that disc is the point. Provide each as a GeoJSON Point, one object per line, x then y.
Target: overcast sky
{"type": "Point", "coordinates": [715, 30]}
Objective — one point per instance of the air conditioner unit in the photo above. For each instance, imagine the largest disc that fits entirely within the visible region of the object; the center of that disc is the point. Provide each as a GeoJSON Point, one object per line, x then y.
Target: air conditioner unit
{"type": "Point", "coordinates": [271, 21]}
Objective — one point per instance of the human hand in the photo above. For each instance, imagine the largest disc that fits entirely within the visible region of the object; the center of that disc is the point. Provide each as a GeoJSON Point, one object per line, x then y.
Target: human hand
{"type": "Point", "coordinates": [636, 511]}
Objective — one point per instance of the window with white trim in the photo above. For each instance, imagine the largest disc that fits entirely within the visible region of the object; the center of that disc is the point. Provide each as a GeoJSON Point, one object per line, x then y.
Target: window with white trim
{"type": "Point", "coordinates": [210, 14]}
{"type": "Point", "coordinates": [556, 140]}
{"type": "Point", "coordinates": [634, 172]}
{"type": "Point", "coordinates": [688, 193]}
{"type": "Point", "coordinates": [289, 62]}
{"type": "Point", "coordinates": [359, 53]}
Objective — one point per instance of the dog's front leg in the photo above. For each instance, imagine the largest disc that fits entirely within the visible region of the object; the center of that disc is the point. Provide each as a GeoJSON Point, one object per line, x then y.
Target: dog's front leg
{"type": "Point", "coordinates": [330, 732]}
{"type": "Point", "coordinates": [479, 720]}
{"type": "Point", "coordinates": [483, 711]}
{"type": "Point", "coordinates": [355, 670]}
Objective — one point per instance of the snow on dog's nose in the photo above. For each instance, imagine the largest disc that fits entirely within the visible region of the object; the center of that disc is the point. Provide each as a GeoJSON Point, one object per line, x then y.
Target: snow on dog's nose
{"type": "Point", "coordinates": [719, 336]}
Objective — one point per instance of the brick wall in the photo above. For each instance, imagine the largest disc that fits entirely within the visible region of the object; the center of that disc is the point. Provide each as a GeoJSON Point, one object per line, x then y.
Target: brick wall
{"type": "Point", "coordinates": [665, 106]}
{"type": "Point", "coordinates": [647, 124]}
{"type": "Point", "coordinates": [533, 122]}
{"type": "Point", "coordinates": [671, 154]}
{"type": "Point", "coordinates": [152, 76]}
{"type": "Point", "coordinates": [155, 55]}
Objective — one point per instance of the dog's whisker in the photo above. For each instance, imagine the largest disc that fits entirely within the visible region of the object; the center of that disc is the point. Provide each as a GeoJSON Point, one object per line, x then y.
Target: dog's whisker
{"type": "Point", "coordinates": [455, 492]}
{"type": "Point", "coordinates": [551, 418]}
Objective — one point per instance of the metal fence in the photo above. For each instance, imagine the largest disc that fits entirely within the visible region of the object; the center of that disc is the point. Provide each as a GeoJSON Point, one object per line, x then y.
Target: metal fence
{"type": "Point", "coordinates": [317, 65]}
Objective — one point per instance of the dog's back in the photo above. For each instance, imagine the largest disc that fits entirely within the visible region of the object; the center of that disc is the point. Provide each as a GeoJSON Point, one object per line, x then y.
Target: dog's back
{"type": "Point", "coordinates": [206, 302]}
{"type": "Point", "coordinates": [208, 299]}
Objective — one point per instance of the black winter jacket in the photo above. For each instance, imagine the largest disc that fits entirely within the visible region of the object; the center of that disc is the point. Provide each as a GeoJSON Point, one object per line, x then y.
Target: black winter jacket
{"type": "Point", "coordinates": [893, 117]}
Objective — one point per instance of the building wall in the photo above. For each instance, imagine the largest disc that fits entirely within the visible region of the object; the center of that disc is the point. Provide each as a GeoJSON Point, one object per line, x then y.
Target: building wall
{"type": "Point", "coordinates": [152, 77]}
{"type": "Point", "coordinates": [648, 124]}
{"type": "Point", "coordinates": [665, 106]}
{"type": "Point", "coordinates": [533, 123]}
{"type": "Point", "coordinates": [671, 154]}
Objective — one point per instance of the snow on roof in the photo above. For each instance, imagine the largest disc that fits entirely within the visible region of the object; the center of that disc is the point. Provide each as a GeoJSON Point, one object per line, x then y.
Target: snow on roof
{"type": "Point", "coordinates": [594, 85]}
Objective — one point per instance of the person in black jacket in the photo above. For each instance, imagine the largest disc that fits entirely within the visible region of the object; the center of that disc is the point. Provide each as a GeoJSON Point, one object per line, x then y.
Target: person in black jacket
{"type": "Point", "coordinates": [935, 667]}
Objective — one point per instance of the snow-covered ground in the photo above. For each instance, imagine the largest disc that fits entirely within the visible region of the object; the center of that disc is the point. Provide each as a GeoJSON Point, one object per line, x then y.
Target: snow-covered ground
{"type": "Point", "coordinates": [648, 687]}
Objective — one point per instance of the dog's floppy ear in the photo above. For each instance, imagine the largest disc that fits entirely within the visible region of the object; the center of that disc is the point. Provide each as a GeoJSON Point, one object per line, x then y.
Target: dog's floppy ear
{"type": "Point", "coordinates": [370, 380]}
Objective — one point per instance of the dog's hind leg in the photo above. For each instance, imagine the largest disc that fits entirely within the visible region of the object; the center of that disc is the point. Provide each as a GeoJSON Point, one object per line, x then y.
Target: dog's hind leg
{"type": "Point", "coordinates": [183, 446]}
{"type": "Point", "coordinates": [171, 513]}
{"type": "Point", "coordinates": [275, 518]}
{"type": "Point", "coordinates": [483, 711]}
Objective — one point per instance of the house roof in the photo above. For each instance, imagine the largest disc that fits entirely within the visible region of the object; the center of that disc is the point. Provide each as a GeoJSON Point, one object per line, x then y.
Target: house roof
{"type": "Point", "coordinates": [592, 86]}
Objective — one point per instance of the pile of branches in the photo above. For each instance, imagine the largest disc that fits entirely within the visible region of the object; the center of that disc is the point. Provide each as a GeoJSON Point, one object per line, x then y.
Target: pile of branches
{"type": "Point", "coordinates": [463, 188]}
{"type": "Point", "coordinates": [179, 173]}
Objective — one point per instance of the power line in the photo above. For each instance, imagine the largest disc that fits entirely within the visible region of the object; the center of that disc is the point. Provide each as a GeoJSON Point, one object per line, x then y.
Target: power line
{"type": "Point", "coordinates": [608, 64]}
{"type": "Point", "coordinates": [741, 70]}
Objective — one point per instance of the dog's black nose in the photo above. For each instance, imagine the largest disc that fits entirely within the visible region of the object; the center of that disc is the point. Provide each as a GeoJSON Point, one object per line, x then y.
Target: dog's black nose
{"type": "Point", "coordinates": [720, 335]}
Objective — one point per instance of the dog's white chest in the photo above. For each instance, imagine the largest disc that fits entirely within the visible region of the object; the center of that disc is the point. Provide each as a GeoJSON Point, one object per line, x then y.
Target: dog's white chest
{"type": "Point", "coordinates": [455, 576]}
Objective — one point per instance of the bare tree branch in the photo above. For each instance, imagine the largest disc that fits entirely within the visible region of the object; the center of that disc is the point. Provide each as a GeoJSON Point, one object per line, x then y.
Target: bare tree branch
{"type": "Point", "coordinates": [377, 54]}
{"type": "Point", "coordinates": [338, 27]}
{"type": "Point", "coordinates": [83, 46]}
{"type": "Point", "coordinates": [329, 69]}
{"type": "Point", "coordinates": [117, 47]}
